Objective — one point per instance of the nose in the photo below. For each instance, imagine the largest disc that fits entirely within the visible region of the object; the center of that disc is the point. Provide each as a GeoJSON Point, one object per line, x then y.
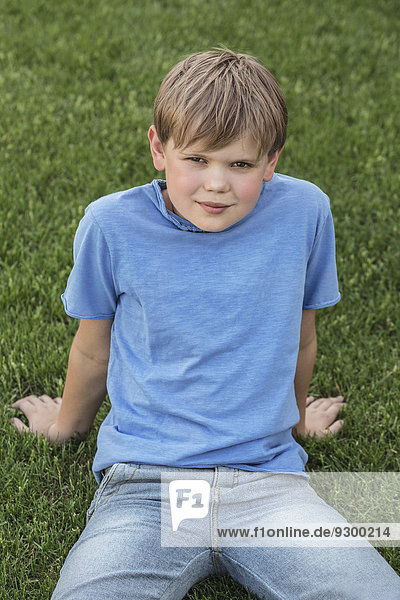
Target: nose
{"type": "Point", "coordinates": [216, 180]}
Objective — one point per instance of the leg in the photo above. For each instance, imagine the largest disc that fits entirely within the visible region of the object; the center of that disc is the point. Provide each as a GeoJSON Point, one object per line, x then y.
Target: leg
{"type": "Point", "coordinates": [306, 573]}
{"type": "Point", "coordinates": [119, 554]}
{"type": "Point", "coordinates": [313, 573]}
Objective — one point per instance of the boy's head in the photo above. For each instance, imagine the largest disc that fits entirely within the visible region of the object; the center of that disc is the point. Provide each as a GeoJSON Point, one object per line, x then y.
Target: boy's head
{"type": "Point", "coordinates": [216, 97]}
{"type": "Point", "coordinates": [219, 125]}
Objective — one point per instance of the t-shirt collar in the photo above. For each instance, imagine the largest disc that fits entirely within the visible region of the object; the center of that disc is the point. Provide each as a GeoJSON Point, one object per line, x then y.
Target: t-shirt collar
{"type": "Point", "coordinates": [180, 222]}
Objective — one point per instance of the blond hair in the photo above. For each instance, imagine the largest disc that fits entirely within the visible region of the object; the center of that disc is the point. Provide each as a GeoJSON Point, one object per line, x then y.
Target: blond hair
{"type": "Point", "coordinates": [216, 97]}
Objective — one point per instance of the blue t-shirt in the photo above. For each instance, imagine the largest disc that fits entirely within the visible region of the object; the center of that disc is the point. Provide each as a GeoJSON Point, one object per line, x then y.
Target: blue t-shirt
{"type": "Point", "coordinates": [206, 329]}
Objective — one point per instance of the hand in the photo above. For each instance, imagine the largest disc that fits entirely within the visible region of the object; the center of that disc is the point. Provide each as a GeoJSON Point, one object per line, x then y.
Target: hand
{"type": "Point", "coordinates": [321, 415]}
{"type": "Point", "coordinates": [42, 413]}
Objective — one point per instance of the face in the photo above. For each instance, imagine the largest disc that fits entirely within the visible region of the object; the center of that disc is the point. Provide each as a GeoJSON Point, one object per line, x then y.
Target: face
{"type": "Point", "coordinates": [213, 190]}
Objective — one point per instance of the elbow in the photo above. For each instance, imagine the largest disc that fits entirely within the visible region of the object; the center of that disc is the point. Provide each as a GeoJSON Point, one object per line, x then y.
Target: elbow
{"type": "Point", "coordinates": [98, 359]}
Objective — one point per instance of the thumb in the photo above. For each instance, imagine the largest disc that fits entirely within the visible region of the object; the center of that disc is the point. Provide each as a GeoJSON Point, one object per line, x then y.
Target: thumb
{"type": "Point", "coordinates": [336, 426]}
{"type": "Point", "coordinates": [19, 425]}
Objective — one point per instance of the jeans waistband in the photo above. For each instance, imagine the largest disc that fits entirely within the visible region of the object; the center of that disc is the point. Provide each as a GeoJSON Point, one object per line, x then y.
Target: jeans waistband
{"type": "Point", "coordinates": [169, 468]}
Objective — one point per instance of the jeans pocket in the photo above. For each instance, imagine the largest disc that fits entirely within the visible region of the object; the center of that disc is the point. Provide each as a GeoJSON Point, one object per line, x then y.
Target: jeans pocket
{"type": "Point", "coordinates": [100, 491]}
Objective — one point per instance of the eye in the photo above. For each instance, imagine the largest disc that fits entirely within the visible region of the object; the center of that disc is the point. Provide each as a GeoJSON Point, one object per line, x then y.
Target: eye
{"type": "Point", "coordinates": [242, 165]}
{"type": "Point", "coordinates": [196, 159]}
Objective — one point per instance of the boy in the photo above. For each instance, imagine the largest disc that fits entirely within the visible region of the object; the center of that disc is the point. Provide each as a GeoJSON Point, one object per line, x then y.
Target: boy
{"type": "Point", "coordinates": [207, 343]}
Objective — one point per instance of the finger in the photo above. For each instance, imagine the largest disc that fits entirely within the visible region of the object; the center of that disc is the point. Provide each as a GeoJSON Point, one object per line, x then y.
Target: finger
{"type": "Point", "coordinates": [334, 399]}
{"type": "Point", "coordinates": [333, 410]}
{"type": "Point", "coordinates": [337, 400]}
{"type": "Point", "coordinates": [326, 403]}
{"type": "Point", "coordinates": [26, 405]}
{"type": "Point", "coordinates": [316, 403]}
{"type": "Point", "coordinates": [58, 400]}
{"type": "Point", "coordinates": [331, 430]}
{"type": "Point", "coordinates": [19, 425]}
{"type": "Point", "coordinates": [27, 399]}
{"type": "Point", "coordinates": [309, 400]}
{"type": "Point", "coordinates": [45, 398]}
{"type": "Point", "coordinates": [323, 433]}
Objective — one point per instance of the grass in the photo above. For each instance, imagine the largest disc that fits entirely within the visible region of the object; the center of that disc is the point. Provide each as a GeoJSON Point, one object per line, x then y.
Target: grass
{"type": "Point", "coordinates": [77, 81]}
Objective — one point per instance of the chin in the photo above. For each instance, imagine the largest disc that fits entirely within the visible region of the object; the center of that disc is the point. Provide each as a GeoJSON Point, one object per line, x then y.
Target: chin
{"type": "Point", "coordinates": [213, 229]}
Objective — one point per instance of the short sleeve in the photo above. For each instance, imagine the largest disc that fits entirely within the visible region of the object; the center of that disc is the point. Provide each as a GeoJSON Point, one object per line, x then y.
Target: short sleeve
{"type": "Point", "coordinates": [321, 284]}
{"type": "Point", "coordinates": [90, 291]}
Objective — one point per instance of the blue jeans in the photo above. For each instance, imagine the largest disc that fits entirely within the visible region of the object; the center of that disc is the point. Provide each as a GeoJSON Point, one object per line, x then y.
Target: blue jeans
{"type": "Point", "coordinates": [120, 555]}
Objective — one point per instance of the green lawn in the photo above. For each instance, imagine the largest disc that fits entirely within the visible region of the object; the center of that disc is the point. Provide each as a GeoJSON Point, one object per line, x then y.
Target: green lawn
{"type": "Point", "coordinates": [77, 81]}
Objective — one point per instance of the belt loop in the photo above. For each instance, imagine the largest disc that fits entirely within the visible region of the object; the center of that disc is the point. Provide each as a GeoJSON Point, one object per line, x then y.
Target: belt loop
{"type": "Point", "coordinates": [235, 481]}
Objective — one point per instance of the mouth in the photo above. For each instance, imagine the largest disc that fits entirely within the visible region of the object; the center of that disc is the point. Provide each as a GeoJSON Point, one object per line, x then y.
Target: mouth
{"type": "Point", "coordinates": [213, 208]}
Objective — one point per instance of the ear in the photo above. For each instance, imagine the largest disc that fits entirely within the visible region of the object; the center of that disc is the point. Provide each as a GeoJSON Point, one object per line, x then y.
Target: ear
{"type": "Point", "coordinates": [270, 168]}
{"type": "Point", "coordinates": [156, 148]}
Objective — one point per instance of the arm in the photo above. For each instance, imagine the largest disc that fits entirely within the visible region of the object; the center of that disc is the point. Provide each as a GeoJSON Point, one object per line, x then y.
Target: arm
{"type": "Point", "coordinates": [305, 366]}
{"type": "Point", "coordinates": [85, 387]}
{"type": "Point", "coordinates": [316, 416]}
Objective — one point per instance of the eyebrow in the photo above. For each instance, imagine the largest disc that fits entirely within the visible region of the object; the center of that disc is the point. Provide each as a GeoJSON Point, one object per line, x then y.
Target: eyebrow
{"type": "Point", "coordinates": [203, 154]}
